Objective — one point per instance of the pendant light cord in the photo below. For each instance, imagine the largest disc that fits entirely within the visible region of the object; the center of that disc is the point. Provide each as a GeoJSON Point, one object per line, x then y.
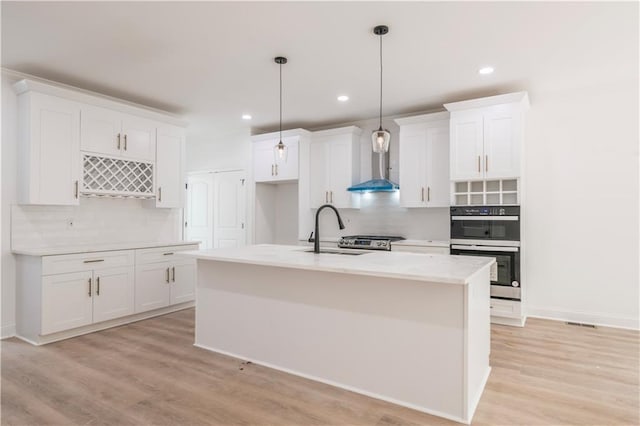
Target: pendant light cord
{"type": "Point", "coordinates": [381, 81]}
{"type": "Point", "coordinates": [280, 103]}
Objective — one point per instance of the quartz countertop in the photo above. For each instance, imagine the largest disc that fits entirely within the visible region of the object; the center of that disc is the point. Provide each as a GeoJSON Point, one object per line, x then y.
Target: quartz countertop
{"type": "Point", "coordinates": [400, 265]}
{"type": "Point", "coordinates": [92, 248]}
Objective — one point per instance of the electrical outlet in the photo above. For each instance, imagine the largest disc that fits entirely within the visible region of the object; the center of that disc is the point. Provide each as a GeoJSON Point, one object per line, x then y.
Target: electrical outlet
{"type": "Point", "coordinates": [70, 223]}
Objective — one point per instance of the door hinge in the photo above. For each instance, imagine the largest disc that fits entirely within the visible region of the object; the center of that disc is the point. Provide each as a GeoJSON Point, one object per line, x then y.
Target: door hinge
{"type": "Point", "coordinates": [242, 182]}
{"type": "Point", "coordinates": [185, 224]}
{"type": "Point", "coordinates": [186, 186]}
{"type": "Point", "coordinates": [242, 225]}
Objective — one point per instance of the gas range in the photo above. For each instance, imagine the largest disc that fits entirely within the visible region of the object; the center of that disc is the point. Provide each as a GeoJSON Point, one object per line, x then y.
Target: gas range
{"type": "Point", "coordinates": [368, 242]}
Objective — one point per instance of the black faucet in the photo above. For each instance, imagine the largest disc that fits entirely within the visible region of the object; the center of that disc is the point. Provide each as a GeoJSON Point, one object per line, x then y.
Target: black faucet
{"type": "Point", "coordinates": [316, 241]}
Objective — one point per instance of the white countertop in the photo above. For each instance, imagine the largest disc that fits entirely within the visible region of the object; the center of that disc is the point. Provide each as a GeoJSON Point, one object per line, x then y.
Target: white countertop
{"type": "Point", "coordinates": [410, 266]}
{"type": "Point", "coordinates": [421, 243]}
{"type": "Point", "coordinates": [92, 248]}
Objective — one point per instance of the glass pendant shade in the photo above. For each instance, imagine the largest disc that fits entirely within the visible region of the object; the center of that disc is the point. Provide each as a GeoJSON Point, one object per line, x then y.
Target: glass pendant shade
{"type": "Point", "coordinates": [280, 152]}
{"type": "Point", "coordinates": [380, 140]}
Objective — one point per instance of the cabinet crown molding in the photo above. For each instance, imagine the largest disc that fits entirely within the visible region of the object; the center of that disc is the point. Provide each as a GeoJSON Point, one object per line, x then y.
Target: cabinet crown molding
{"type": "Point", "coordinates": [276, 135]}
{"type": "Point", "coordinates": [521, 98]}
{"type": "Point", "coordinates": [423, 118]}
{"type": "Point", "coordinates": [338, 131]}
{"type": "Point", "coordinates": [96, 99]}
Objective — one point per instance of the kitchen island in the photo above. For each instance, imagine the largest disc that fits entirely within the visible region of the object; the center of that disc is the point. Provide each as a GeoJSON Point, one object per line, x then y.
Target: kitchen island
{"type": "Point", "coordinates": [408, 328]}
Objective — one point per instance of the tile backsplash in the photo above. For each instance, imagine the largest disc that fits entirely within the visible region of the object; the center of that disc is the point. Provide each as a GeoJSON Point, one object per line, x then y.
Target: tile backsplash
{"type": "Point", "coordinates": [100, 220]}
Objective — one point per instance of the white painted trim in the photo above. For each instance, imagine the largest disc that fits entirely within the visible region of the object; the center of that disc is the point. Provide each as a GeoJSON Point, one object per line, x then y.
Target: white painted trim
{"type": "Point", "coordinates": [521, 98]}
{"type": "Point", "coordinates": [7, 331]}
{"type": "Point", "coordinates": [338, 131]}
{"type": "Point", "coordinates": [595, 318]}
{"type": "Point", "coordinates": [338, 385]}
{"type": "Point", "coordinates": [285, 134]}
{"type": "Point", "coordinates": [424, 118]}
{"type": "Point", "coordinates": [41, 85]}
{"type": "Point", "coordinates": [511, 321]}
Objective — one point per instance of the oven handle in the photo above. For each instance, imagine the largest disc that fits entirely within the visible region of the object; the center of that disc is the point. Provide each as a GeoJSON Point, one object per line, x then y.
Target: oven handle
{"type": "Point", "coordinates": [505, 218]}
{"type": "Point", "coordinates": [484, 248]}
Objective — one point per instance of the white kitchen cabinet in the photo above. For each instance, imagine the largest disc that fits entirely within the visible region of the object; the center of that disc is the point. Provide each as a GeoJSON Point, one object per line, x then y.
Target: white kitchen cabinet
{"type": "Point", "coordinates": [48, 150]}
{"type": "Point", "coordinates": [82, 289]}
{"type": "Point", "coordinates": [169, 172]}
{"type": "Point", "coordinates": [269, 167]}
{"type": "Point", "coordinates": [424, 160]}
{"type": "Point", "coordinates": [109, 132]}
{"type": "Point", "coordinates": [162, 279]}
{"type": "Point", "coordinates": [334, 167]}
{"type": "Point", "coordinates": [486, 137]}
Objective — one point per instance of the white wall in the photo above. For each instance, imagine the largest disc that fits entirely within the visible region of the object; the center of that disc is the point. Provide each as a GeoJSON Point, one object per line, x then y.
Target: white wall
{"type": "Point", "coordinates": [581, 205]}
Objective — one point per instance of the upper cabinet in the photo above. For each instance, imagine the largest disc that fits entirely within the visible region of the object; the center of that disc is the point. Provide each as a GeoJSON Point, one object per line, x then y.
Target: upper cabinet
{"type": "Point", "coordinates": [73, 144]}
{"type": "Point", "coordinates": [112, 133]}
{"type": "Point", "coordinates": [486, 137]}
{"type": "Point", "coordinates": [424, 160]}
{"type": "Point", "coordinates": [48, 150]}
{"type": "Point", "coordinates": [170, 180]}
{"type": "Point", "coordinates": [334, 167]}
{"type": "Point", "coordinates": [269, 165]}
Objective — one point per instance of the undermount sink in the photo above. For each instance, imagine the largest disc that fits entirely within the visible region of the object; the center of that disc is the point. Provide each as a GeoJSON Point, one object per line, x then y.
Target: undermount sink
{"type": "Point", "coordinates": [333, 251]}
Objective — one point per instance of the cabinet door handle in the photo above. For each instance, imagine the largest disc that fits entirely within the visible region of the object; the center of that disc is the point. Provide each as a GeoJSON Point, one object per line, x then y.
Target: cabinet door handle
{"type": "Point", "coordinates": [331, 197]}
{"type": "Point", "coordinates": [168, 275]}
{"type": "Point", "coordinates": [93, 261]}
{"type": "Point", "coordinates": [167, 254]}
{"type": "Point", "coordinates": [422, 194]}
{"type": "Point", "coordinates": [272, 170]}
{"type": "Point", "coordinates": [118, 140]}
{"type": "Point", "coordinates": [486, 163]}
{"type": "Point", "coordinates": [98, 286]}
{"type": "Point", "coordinates": [76, 189]}
{"type": "Point", "coordinates": [276, 170]}
{"type": "Point", "coordinates": [428, 193]}
{"type": "Point", "coordinates": [173, 270]}
{"type": "Point", "coordinates": [326, 196]}
{"type": "Point", "coordinates": [160, 194]}
{"type": "Point", "coordinates": [125, 141]}
{"type": "Point", "coordinates": [89, 287]}
{"type": "Point", "coordinates": [478, 164]}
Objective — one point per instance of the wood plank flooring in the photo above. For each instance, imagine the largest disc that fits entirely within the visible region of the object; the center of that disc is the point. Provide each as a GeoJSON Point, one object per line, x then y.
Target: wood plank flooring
{"type": "Point", "coordinates": [547, 373]}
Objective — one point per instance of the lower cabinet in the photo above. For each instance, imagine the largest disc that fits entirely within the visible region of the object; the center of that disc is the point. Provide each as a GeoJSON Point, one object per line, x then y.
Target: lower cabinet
{"type": "Point", "coordinates": [66, 292]}
{"type": "Point", "coordinates": [162, 280]}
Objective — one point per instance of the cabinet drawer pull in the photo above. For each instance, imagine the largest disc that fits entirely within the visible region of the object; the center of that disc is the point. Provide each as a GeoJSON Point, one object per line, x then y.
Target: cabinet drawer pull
{"type": "Point", "coordinates": [98, 286]}
{"type": "Point", "coordinates": [93, 261]}
{"type": "Point", "coordinates": [486, 163]}
{"type": "Point", "coordinates": [167, 254]}
{"type": "Point", "coordinates": [118, 140]}
{"type": "Point", "coordinates": [160, 194]}
{"type": "Point", "coordinates": [168, 280]}
{"type": "Point", "coordinates": [478, 164]}
{"type": "Point", "coordinates": [125, 142]}
{"type": "Point", "coordinates": [173, 269]}
{"type": "Point", "coordinates": [89, 287]}
{"type": "Point", "coordinates": [76, 190]}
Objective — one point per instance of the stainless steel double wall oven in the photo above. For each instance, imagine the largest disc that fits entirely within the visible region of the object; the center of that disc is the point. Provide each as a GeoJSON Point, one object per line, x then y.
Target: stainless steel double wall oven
{"type": "Point", "coordinates": [491, 231]}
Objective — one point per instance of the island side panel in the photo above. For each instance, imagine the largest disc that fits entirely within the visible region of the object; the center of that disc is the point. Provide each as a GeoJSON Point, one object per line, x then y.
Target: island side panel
{"type": "Point", "coordinates": [395, 339]}
{"type": "Point", "coordinates": [478, 339]}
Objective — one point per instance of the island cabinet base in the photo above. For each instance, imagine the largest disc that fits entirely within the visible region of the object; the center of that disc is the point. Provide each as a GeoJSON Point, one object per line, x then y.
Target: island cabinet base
{"type": "Point", "coordinates": [423, 345]}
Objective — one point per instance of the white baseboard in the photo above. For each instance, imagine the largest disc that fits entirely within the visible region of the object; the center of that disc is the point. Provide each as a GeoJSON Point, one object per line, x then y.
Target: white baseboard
{"type": "Point", "coordinates": [600, 319]}
{"type": "Point", "coordinates": [7, 331]}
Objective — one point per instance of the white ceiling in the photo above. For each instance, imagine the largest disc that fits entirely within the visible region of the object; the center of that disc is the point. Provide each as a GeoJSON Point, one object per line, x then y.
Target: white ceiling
{"type": "Point", "coordinates": [212, 62]}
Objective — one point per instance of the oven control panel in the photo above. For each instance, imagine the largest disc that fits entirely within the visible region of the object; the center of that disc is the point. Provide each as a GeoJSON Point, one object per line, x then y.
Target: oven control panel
{"type": "Point", "coordinates": [486, 211]}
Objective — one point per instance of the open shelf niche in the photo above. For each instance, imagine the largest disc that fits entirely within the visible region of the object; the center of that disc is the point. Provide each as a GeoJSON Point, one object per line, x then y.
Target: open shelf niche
{"type": "Point", "coordinates": [486, 192]}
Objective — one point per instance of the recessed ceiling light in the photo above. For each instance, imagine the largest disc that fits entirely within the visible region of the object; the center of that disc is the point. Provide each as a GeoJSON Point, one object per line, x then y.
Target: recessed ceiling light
{"type": "Point", "coordinates": [343, 98]}
{"type": "Point", "coordinates": [485, 70]}
{"type": "Point", "coordinates": [246, 116]}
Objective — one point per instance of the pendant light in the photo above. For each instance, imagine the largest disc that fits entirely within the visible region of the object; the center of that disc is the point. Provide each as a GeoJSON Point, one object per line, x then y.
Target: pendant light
{"type": "Point", "coordinates": [380, 138]}
{"type": "Point", "coordinates": [280, 150]}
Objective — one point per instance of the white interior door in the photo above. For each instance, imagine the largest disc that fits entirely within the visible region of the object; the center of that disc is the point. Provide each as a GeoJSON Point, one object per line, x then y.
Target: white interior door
{"type": "Point", "coordinates": [229, 209]}
{"type": "Point", "coordinates": [199, 211]}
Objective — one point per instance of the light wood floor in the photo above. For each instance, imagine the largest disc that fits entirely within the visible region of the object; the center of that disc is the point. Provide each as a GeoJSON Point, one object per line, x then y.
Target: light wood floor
{"type": "Point", "coordinates": [149, 372]}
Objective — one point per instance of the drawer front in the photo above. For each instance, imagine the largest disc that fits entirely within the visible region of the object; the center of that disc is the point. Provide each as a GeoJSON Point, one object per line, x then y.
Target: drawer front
{"type": "Point", "coordinates": [420, 249]}
{"type": "Point", "coordinates": [86, 262]}
{"type": "Point", "coordinates": [161, 254]}
{"type": "Point", "coordinates": [505, 308]}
